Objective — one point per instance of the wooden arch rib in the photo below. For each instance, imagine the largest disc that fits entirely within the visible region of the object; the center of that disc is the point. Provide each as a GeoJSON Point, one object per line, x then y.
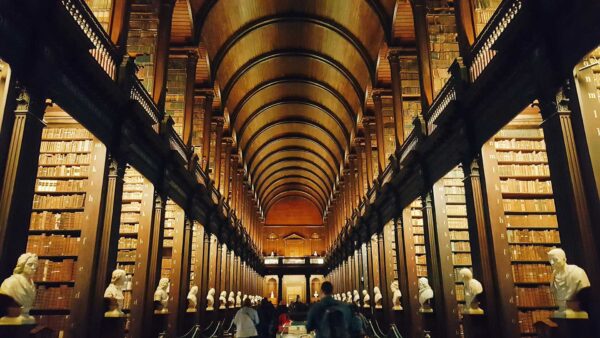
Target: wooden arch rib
{"type": "Point", "coordinates": [293, 142]}
{"type": "Point", "coordinates": [276, 56]}
{"type": "Point", "coordinates": [293, 179]}
{"type": "Point", "coordinates": [293, 110]}
{"type": "Point", "coordinates": [290, 193]}
{"type": "Point", "coordinates": [295, 186]}
{"type": "Point", "coordinates": [303, 129]}
{"type": "Point", "coordinates": [290, 173]}
{"type": "Point", "coordinates": [296, 163]}
{"type": "Point", "coordinates": [272, 90]}
{"type": "Point", "coordinates": [256, 26]}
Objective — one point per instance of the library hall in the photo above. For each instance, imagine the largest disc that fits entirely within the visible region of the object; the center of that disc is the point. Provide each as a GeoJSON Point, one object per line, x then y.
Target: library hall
{"type": "Point", "coordinates": [299, 168]}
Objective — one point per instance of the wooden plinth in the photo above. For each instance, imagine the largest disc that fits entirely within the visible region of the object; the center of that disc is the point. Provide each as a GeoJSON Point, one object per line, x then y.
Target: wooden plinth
{"type": "Point", "coordinates": [113, 327]}
{"type": "Point", "coordinates": [475, 326]}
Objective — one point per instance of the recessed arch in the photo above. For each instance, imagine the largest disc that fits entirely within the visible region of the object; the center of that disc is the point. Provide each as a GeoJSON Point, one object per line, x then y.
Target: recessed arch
{"type": "Point", "coordinates": [293, 155]}
{"type": "Point", "coordinates": [299, 165]}
{"type": "Point", "coordinates": [297, 178]}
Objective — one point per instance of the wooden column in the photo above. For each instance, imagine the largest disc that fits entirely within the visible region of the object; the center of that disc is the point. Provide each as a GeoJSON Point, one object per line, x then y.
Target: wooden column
{"type": "Point", "coordinates": [188, 113]}
{"type": "Point", "coordinates": [109, 238]}
{"type": "Point", "coordinates": [379, 131]}
{"type": "Point", "coordinates": [419, 8]}
{"type": "Point", "coordinates": [407, 273]}
{"type": "Point", "coordinates": [143, 262]}
{"type": "Point", "coordinates": [390, 266]}
{"type": "Point", "coordinates": [206, 134]}
{"type": "Point", "coordinates": [394, 60]}
{"type": "Point", "coordinates": [218, 273]}
{"type": "Point", "coordinates": [205, 268]}
{"type": "Point", "coordinates": [352, 183]}
{"type": "Point", "coordinates": [18, 183]}
{"type": "Point", "coordinates": [439, 263]}
{"type": "Point", "coordinates": [383, 278]}
{"type": "Point", "coordinates": [163, 39]}
{"type": "Point", "coordinates": [465, 25]}
{"type": "Point", "coordinates": [219, 120]}
{"type": "Point", "coordinates": [574, 218]}
{"type": "Point", "coordinates": [235, 176]}
{"type": "Point", "coordinates": [228, 141]}
{"type": "Point", "coordinates": [119, 24]}
{"type": "Point", "coordinates": [370, 273]}
{"type": "Point", "coordinates": [368, 122]}
{"type": "Point", "coordinates": [360, 152]}
{"type": "Point", "coordinates": [481, 254]}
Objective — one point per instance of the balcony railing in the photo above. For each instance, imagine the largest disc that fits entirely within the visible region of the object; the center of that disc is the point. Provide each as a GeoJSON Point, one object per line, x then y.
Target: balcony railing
{"type": "Point", "coordinates": [139, 94]}
{"type": "Point", "coordinates": [482, 53]}
{"type": "Point", "coordinates": [280, 260]}
{"type": "Point", "coordinates": [104, 50]}
{"type": "Point", "coordinates": [439, 105]}
{"type": "Point", "coordinates": [177, 144]}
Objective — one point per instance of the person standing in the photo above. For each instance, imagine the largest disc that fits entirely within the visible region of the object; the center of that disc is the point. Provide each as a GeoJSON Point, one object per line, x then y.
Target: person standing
{"type": "Point", "coordinates": [329, 317]}
{"type": "Point", "coordinates": [246, 320]}
{"type": "Point", "coordinates": [266, 310]}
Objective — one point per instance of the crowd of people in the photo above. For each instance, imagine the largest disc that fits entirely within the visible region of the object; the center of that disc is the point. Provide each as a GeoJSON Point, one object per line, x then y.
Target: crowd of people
{"type": "Point", "coordinates": [328, 317]}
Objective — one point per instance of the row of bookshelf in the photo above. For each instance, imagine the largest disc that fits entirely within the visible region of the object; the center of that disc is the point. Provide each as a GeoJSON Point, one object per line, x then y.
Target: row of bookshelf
{"type": "Point", "coordinates": [526, 187]}
{"type": "Point", "coordinates": [53, 297]}
{"type": "Point", "coordinates": [524, 170]}
{"type": "Point", "coordinates": [533, 236]}
{"type": "Point", "coordinates": [529, 253]}
{"type": "Point", "coordinates": [520, 133]}
{"type": "Point", "coordinates": [531, 206]}
{"type": "Point", "coordinates": [74, 201]}
{"type": "Point", "coordinates": [65, 133]}
{"type": "Point", "coordinates": [56, 221]}
{"type": "Point", "coordinates": [528, 318]}
{"type": "Point", "coordinates": [532, 297]}
{"type": "Point", "coordinates": [63, 171]}
{"type": "Point", "coordinates": [520, 145]}
{"type": "Point", "coordinates": [525, 157]}
{"type": "Point", "coordinates": [47, 185]}
{"type": "Point", "coordinates": [50, 271]}
{"type": "Point", "coordinates": [67, 158]}
{"type": "Point", "coordinates": [53, 245]}
{"type": "Point", "coordinates": [82, 146]}
{"type": "Point", "coordinates": [532, 273]}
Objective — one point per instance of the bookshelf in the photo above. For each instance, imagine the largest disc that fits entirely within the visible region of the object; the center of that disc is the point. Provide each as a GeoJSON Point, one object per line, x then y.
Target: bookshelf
{"type": "Point", "coordinates": [389, 132]}
{"type": "Point", "coordinates": [453, 202]}
{"type": "Point", "coordinates": [102, 10]}
{"type": "Point", "coordinates": [518, 153]}
{"type": "Point", "coordinates": [197, 241]}
{"type": "Point", "coordinates": [61, 211]}
{"type": "Point", "coordinates": [133, 190]}
{"type": "Point", "coordinates": [175, 98]}
{"type": "Point", "coordinates": [484, 10]}
{"type": "Point", "coordinates": [411, 91]}
{"type": "Point", "coordinates": [416, 222]}
{"type": "Point", "coordinates": [167, 244]}
{"type": "Point", "coordinates": [142, 37]}
{"type": "Point", "coordinates": [443, 47]}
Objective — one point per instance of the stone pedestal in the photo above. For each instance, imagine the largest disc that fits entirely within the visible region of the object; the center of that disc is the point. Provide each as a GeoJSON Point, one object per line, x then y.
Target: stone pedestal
{"type": "Point", "coordinates": [113, 327]}
{"type": "Point", "coordinates": [159, 323]}
{"type": "Point", "coordinates": [475, 325]}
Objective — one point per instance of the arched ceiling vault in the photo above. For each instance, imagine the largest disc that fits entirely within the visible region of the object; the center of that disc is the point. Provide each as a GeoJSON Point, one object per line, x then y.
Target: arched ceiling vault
{"type": "Point", "coordinates": [293, 76]}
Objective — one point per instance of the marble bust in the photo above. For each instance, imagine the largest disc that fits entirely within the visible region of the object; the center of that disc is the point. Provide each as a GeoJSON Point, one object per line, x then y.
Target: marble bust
{"type": "Point", "coordinates": [472, 288]}
{"type": "Point", "coordinates": [192, 299]}
{"type": "Point", "coordinates": [343, 297]}
{"type": "Point", "coordinates": [223, 300]}
{"type": "Point", "coordinates": [21, 289]}
{"type": "Point", "coordinates": [425, 295]}
{"type": "Point", "coordinates": [366, 299]}
{"type": "Point", "coordinates": [567, 280]}
{"type": "Point", "coordinates": [238, 299]}
{"type": "Point", "coordinates": [114, 294]}
{"type": "Point", "coordinates": [210, 300]}
{"type": "Point", "coordinates": [349, 297]}
{"type": "Point", "coordinates": [377, 297]}
{"type": "Point", "coordinates": [231, 300]}
{"type": "Point", "coordinates": [356, 297]}
{"type": "Point", "coordinates": [161, 296]}
{"type": "Point", "coordinates": [396, 295]}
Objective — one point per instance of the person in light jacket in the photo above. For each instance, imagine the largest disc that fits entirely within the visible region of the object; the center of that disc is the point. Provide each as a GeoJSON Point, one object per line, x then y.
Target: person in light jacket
{"type": "Point", "coordinates": [245, 321]}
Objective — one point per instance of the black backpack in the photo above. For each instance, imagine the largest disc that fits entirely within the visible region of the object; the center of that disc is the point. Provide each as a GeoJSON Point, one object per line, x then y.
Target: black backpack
{"type": "Point", "coordinates": [333, 323]}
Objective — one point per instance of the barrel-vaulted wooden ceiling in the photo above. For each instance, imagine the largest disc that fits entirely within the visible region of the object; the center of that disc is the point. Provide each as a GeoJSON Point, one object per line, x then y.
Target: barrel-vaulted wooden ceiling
{"type": "Point", "coordinates": [293, 79]}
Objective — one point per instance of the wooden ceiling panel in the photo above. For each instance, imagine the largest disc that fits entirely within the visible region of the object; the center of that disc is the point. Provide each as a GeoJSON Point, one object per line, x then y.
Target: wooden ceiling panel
{"type": "Point", "coordinates": [282, 153]}
{"type": "Point", "coordinates": [403, 28]}
{"type": "Point", "coordinates": [181, 27]}
{"type": "Point", "coordinates": [293, 164]}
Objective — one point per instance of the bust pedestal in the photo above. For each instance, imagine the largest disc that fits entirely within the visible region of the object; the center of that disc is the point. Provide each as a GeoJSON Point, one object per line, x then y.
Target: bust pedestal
{"type": "Point", "coordinates": [475, 325]}
{"type": "Point", "coordinates": [113, 327]}
{"type": "Point", "coordinates": [159, 323]}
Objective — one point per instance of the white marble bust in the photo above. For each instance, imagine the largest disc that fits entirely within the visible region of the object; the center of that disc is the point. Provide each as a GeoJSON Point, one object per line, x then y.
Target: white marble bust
{"type": "Point", "coordinates": [425, 295]}
{"type": "Point", "coordinates": [21, 288]}
{"type": "Point", "coordinates": [396, 295]}
{"type": "Point", "coordinates": [343, 297]}
{"type": "Point", "coordinates": [192, 299]}
{"type": "Point", "coordinates": [356, 297]}
{"type": "Point", "coordinates": [161, 295]}
{"type": "Point", "coordinates": [238, 299]}
{"type": "Point", "coordinates": [231, 300]}
{"type": "Point", "coordinates": [567, 280]}
{"type": "Point", "coordinates": [223, 300]}
{"type": "Point", "coordinates": [377, 297]}
{"type": "Point", "coordinates": [472, 288]}
{"type": "Point", "coordinates": [114, 294]}
{"type": "Point", "coordinates": [210, 300]}
{"type": "Point", "coordinates": [366, 299]}
{"type": "Point", "coordinates": [349, 297]}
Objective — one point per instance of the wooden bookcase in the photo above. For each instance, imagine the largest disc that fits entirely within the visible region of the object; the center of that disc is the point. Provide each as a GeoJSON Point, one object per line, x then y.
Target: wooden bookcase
{"type": "Point", "coordinates": [411, 91]}
{"type": "Point", "coordinates": [416, 222]}
{"type": "Point", "coordinates": [142, 37]}
{"type": "Point", "coordinates": [63, 213]}
{"type": "Point", "coordinates": [175, 98]}
{"type": "Point", "coordinates": [443, 47]}
{"type": "Point", "coordinates": [198, 125]}
{"type": "Point", "coordinates": [102, 10]}
{"type": "Point", "coordinates": [529, 215]}
{"type": "Point", "coordinates": [484, 10]}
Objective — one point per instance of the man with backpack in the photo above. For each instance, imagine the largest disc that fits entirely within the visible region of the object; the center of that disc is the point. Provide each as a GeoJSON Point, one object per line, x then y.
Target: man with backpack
{"type": "Point", "coordinates": [329, 317]}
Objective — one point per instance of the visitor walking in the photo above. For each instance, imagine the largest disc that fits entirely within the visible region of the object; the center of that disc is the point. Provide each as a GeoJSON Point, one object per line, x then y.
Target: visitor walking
{"type": "Point", "coordinates": [329, 317]}
{"type": "Point", "coordinates": [246, 320]}
{"type": "Point", "coordinates": [266, 311]}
